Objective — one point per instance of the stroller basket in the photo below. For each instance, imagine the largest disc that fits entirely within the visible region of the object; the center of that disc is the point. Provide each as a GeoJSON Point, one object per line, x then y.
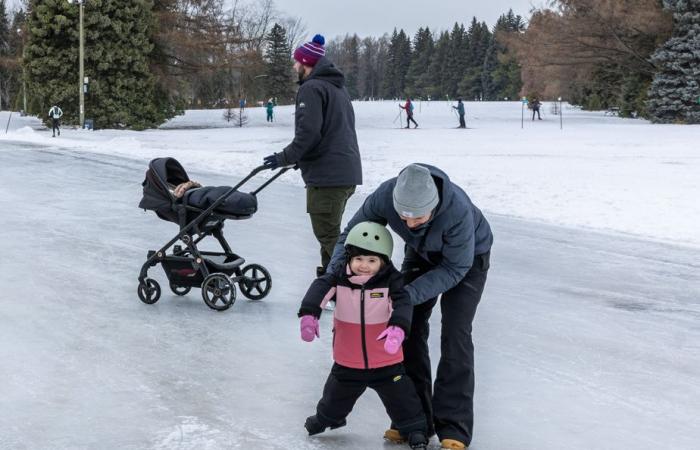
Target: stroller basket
{"type": "Point", "coordinates": [200, 212]}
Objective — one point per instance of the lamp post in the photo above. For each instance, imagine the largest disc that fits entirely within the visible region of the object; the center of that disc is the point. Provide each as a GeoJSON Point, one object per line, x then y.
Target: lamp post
{"type": "Point", "coordinates": [81, 72]}
{"type": "Point", "coordinates": [24, 73]}
{"type": "Point", "coordinates": [561, 115]}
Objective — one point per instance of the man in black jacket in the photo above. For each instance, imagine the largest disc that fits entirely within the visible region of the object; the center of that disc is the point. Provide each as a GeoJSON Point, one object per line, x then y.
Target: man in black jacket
{"type": "Point", "coordinates": [325, 144]}
{"type": "Point", "coordinates": [447, 252]}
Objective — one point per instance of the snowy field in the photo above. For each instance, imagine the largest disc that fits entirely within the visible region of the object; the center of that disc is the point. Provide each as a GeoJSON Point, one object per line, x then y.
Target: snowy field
{"type": "Point", "coordinates": [605, 173]}
{"type": "Point", "coordinates": [587, 336]}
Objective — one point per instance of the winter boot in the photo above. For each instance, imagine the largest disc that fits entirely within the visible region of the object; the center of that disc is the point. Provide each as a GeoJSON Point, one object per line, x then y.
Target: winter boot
{"type": "Point", "coordinates": [394, 436]}
{"type": "Point", "coordinates": [314, 426]}
{"type": "Point", "coordinates": [451, 444]}
{"type": "Point", "coordinates": [417, 440]}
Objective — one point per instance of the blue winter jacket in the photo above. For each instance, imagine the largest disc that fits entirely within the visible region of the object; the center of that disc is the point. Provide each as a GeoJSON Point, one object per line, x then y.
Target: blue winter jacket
{"type": "Point", "coordinates": [449, 242]}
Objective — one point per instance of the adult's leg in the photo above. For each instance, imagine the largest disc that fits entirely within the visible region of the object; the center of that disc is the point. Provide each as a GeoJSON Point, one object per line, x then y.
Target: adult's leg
{"type": "Point", "coordinates": [325, 206]}
{"type": "Point", "coordinates": [414, 121]}
{"type": "Point", "coordinates": [343, 387]}
{"type": "Point", "coordinates": [415, 348]}
{"type": "Point", "coordinates": [462, 123]}
{"type": "Point", "coordinates": [408, 120]}
{"type": "Point", "coordinates": [398, 394]}
{"type": "Point", "coordinates": [453, 400]}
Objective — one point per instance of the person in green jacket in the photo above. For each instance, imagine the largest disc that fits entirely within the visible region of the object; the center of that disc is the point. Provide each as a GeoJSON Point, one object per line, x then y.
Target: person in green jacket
{"type": "Point", "coordinates": [270, 110]}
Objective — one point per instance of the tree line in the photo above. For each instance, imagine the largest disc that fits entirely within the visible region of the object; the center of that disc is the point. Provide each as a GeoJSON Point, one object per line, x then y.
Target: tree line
{"type": "Point", "coordinates": [468, 62]}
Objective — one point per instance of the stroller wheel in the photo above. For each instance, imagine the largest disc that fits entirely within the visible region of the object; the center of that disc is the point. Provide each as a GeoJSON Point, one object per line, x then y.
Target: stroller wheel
{"type": "Point", "coordinates": [218, 292]}
{"type": "Point", "coordinates": [256, 282]}
{"type": "Point", "coordinates": [180, 290]}
{"type": "Point", "coordinates": [149, 291]}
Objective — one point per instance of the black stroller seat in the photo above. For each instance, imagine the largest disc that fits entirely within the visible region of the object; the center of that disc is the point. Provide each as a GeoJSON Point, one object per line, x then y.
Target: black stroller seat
{"type": "Point", "coordinates": [200, 212]}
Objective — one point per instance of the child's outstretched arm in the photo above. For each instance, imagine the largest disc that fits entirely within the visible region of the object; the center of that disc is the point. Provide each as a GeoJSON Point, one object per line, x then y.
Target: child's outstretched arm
{"type": "Point", "coordinates": [320, 291]}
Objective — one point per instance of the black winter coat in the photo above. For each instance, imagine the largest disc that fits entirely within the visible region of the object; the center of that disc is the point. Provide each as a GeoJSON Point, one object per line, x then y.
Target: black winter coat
{"type": "Point", "coordinates": [325, 144]}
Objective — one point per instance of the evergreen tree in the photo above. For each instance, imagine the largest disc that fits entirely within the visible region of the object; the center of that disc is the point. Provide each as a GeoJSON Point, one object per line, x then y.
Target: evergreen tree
{"type": "Point", "coordinates": [437, 71]}
{"type": "Point", "coordinates": [117, 47]}
{"type": "Point", "coordinates": [674, 95]}
{"type": "Point", "coordinates": [501, 73]}
{"type": "Point", "coordinates": [5, 63]}
{"type": "Point", "coordinates": [418, 77]}
{"type": "Point", "coordinates": [478, 37]}
{"type": "Point", "coordinates": [457, 60]}
{"type": "Point", "coordinates": [278, 66]}
{"type": "Point", "coordinates": [397, 66]}
{"type": "Point", "coordinates": [352, 66]}
{"type": "Point", "coordinates": [389, 88]}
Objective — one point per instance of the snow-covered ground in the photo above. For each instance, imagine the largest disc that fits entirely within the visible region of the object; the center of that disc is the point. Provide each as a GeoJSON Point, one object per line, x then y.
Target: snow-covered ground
{"type": "Point", "coordinates": [584, 340]}
{"type": "Point", "coordinates": [606, 173]}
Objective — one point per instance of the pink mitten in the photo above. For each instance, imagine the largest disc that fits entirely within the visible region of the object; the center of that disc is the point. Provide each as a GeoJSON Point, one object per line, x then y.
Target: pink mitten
{"type": "Point", "coordinates": [394, 337]}
{"type": "Point", "coordinates": [309, 328]}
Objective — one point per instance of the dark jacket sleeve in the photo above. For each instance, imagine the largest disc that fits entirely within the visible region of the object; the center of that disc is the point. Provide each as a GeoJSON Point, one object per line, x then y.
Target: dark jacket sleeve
{"type": "Point", "coordinates": [307, 124]}
{"type": "Point", "coordinates": [311, 304]}
{"type": "Point", "coordinates": [457, 259]}
{"type": "Point", "coordinates": [368, 211]}
{"type": "Point", "coordinates": [403, 309]}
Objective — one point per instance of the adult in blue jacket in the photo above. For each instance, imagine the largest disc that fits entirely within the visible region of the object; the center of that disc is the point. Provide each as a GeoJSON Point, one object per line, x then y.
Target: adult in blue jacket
{"type": "Point", "coordinates": [448, 243]}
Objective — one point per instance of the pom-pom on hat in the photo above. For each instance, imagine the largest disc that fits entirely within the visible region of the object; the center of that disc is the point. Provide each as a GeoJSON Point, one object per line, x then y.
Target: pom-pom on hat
{"type": "Point", "coordinates": [309, 53]}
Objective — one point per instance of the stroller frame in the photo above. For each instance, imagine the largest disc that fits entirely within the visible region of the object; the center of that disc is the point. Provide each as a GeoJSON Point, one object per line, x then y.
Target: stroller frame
{"type": "Point", "coordinates": [217, 278]}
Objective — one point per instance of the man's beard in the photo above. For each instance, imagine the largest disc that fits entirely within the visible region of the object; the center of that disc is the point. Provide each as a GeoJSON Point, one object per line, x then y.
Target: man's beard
{"type": "Point", "coordinates": [300, 74]}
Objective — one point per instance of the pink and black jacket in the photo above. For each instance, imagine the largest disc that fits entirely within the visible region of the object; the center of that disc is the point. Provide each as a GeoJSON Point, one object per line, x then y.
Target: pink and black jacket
{"type": "Point", "coordinates": [365, 306]}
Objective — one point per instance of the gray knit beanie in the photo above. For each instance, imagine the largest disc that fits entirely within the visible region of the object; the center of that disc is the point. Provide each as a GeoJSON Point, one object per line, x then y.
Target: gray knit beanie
{"type": "Point", "coordinates": [415, 193]}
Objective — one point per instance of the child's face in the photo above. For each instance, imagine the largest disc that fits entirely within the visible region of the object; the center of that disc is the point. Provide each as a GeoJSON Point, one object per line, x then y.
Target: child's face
{"type": "Point", "coordinates": [365, 264]}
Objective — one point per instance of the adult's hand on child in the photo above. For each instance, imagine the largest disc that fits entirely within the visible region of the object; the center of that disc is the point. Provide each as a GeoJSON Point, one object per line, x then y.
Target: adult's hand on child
{"type": "Point", "coordinates": [394, 338]}
{"type": "Point", "coordinates": [309, 328]}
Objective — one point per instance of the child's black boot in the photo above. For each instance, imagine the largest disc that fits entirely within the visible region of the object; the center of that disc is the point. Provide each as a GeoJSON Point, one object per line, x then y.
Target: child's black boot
{"type": "Point", "coordinates": [314, 426]}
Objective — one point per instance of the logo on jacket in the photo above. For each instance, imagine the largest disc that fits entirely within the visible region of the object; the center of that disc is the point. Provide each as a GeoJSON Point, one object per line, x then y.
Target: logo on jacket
{"type": "Point", "coordinates": [376, 295]}
{"type": "Point", "coordinates": [302, 105]}
{"type": "Point", "coordinates": [397, 378]}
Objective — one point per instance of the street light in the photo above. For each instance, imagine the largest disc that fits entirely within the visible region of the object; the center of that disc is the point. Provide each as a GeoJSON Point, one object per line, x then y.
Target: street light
{"type": "Point", "coordinates": [82, 83]}
{"type": "Point", "coordinates": [24, 72]}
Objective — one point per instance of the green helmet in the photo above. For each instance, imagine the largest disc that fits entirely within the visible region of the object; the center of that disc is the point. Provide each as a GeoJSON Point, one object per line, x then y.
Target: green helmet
{"type": "Point", "coordinates": [372, 237]}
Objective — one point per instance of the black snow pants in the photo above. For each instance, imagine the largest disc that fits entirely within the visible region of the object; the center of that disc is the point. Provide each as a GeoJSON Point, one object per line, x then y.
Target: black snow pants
{"type": "Point", "coordinates": [396, 391]}
{"type": "Point", "coordinates": [451, 405]}
{"type": "Point", "coordinates": [462, 123]}
{"type": "Point", "coordinates": [409, 119]}
{"type": "Point", "coordinates": [56, 126]}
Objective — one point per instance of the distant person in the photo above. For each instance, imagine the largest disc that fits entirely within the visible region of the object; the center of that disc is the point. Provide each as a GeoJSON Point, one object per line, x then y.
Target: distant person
{"type": "Point", "coordinates": [55, 114]}
{"type": "Point", "coordinates": [460, 110]}
{"type": "Point", "coordinates": [325, 144]}
{"type": "Point", "coordinates": [241, 104]}
{"type": "Point", "coordinates": [536, 108]}
{"type": "Point", "coordinates": [408, 106]}
{"type": "Point", "coordinates": [270, 107]}
{"type": "Point", "coordinates": [371, 320]}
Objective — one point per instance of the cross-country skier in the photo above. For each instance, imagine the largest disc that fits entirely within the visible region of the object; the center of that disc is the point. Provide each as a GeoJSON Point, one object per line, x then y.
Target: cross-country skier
{"type": "Point", "coordinates": [408, 106]}
{"type": "Point", "coordinates": [460, 110]}
{"type": "Point", "coordinates": [55, 114]}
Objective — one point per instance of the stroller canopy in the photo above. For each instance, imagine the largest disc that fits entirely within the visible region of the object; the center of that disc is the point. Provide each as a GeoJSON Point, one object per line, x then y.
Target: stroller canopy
{"type": "Point", "coordinates": [164, 174]}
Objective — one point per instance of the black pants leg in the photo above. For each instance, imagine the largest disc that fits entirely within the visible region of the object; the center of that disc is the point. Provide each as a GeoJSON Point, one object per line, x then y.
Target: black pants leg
{"type": "Point", "coordinates": [450, 407]}
{"type": "Point", "coordinates": [462, 123]}
{"type": "Point", "coordinates": [398, 394]}
{"type": "Point", "coordinates": [453, 397]}
{"type": "Point", "coordinates": [55, 126]}
{"type": "Point", "coordinates": [339, 396]}
{"type": "Point", "coordinates": [410, 119]}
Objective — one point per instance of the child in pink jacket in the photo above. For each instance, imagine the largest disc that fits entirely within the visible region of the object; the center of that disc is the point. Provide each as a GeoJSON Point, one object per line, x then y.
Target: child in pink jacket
{"type": "Point", "coordinates": [370, 321]}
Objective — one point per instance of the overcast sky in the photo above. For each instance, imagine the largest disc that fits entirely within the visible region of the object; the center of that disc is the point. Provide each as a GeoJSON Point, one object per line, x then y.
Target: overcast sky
{"type": "Point", "coordinates": [375, 17]}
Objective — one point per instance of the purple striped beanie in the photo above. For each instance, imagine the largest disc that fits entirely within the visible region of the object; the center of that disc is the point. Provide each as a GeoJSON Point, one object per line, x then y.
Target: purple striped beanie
{"type": "Point", "coordinates": [309, 53]}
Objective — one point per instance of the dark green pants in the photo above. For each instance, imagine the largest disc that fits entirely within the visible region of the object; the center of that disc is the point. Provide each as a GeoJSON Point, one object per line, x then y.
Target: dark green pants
{"type": "Point", "coordinates": [325, 205]}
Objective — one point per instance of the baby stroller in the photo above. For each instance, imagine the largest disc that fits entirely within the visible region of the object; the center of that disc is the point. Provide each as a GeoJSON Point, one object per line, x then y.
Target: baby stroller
{"type": "Point", "coordinates": [200, 212]}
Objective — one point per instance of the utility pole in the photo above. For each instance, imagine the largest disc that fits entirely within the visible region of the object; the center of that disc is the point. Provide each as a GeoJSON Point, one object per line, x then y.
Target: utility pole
{"type": "Point", "coordinates": [82, 85]}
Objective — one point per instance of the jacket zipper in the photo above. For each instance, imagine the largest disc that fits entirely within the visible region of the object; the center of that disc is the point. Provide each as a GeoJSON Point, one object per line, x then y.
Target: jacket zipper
{"type": "Point", "coordinates": [362, 326]}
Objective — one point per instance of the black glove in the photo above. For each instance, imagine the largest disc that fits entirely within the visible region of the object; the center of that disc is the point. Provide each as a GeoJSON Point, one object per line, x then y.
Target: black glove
{"type": "Point", "coordinates": [271, 162]}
